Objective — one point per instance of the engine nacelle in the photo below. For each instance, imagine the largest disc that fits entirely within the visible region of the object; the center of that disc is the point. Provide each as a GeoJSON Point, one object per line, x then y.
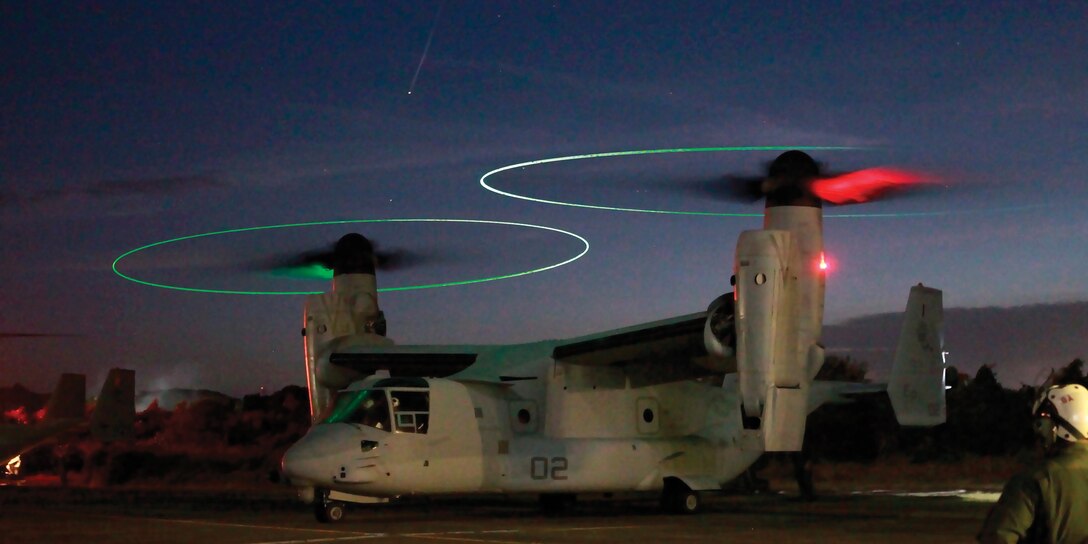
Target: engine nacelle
{"type": "Point", "coordinates": [772, 374]}
{"type": "Point", "coordinates": [720, 331]}
{"type": "Point", "coordinates": [762, 256]}
{"type": "Point", "coordinates": [346, 315]}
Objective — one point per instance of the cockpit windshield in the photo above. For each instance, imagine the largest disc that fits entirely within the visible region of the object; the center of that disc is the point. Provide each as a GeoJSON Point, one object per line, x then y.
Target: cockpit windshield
{"type": "Point", "coordinates": [368, 407]}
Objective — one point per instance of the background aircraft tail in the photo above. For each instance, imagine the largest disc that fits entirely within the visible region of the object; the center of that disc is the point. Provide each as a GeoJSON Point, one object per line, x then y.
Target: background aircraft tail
{"type": "Point", "coordinates": [115, 410]}
{"type": "Point", "coordinates": [69, 398]}
{"type": "Point", "coordinates": [916, 387]}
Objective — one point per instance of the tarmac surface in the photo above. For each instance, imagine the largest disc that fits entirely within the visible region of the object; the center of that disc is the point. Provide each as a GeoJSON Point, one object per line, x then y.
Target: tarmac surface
{"type": "Point", "coordinates": [43, 515]}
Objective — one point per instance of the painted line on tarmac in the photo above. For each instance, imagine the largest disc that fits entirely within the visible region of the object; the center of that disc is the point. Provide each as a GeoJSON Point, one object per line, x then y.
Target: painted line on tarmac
{"type": "Point", "coordinates": [350, 534]}
{"type": "Point", "coordinates": [255, 526]}
{"type": "Point", "coordinates": [974, 496]}
{"type": "Point", "coordinates": [481, 532]}
{"type": "Point", "coordinates": [464, 536]}
{"type": "Point", "coordinates": [467, 539]}
{"type": "Point", "coordinates": [363, 536]}
{"type": "Point", "coordinates": [600, 528]}
{"type": "Point", "coordinates": [216, 523]}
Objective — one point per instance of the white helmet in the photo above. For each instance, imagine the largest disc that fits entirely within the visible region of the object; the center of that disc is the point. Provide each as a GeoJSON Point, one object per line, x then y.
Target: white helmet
{"type": "Point", "coordinates": [1063, 412]}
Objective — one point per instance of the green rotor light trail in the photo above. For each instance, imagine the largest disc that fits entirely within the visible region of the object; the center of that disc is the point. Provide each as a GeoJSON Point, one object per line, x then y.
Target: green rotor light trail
{"type": "Point", "coordinates": [306, 272]}
{"type": "Point", "coordinates": [484, 184]}
{"type": "Point", "coordinates": [116, 261]}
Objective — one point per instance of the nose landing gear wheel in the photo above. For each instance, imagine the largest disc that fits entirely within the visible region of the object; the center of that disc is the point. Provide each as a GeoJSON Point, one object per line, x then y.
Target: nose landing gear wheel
{"type": "Point", "coordinates": [328, 511]}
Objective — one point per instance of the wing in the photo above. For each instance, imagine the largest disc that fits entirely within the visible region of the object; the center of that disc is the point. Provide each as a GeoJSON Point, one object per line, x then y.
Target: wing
{"type": "Point", "coordinates": [408, 361]}
{"type": "Point", "coordinates": [675, 337]}
{"type": "Point", "coordinates": [656, 352]}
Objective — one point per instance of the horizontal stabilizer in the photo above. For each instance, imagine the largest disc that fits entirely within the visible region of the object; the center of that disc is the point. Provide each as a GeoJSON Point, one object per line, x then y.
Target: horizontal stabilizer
{"type": "Point", "coordinates": [833, 392]}
{"type": "Point", "coordinates": [916, 387]}
{"type": "Point", "coordinates": [69, 398]}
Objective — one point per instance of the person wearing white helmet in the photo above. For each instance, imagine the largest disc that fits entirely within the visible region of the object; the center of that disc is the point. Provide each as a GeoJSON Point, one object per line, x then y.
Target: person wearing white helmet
{"type": "Point", "coordinates": [1049, 502]}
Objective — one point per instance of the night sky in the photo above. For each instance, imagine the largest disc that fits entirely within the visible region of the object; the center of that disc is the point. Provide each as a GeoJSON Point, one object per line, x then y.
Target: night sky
{"type": "Point", "coordinates": [125, 124]}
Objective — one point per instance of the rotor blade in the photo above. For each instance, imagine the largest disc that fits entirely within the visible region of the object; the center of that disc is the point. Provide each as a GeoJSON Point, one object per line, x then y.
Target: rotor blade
{"type": "Point", "coordinates": [745, 189]}
{"type": "Point", "coordinates": [399, 259]}
{"type": "Point", "coordinates": [320, 264]}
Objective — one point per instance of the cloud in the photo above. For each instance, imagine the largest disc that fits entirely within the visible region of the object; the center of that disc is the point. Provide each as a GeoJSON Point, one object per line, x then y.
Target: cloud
{"type": "Point", "coordinates": [106, 197]}
{"type": "Point", "coordinates": [113, 189]}
{"type": "Point", "coordinates": [151, 186]}
{"type": "Point", "coordinates": [367, 143]}
{"type": "Point", "coordinates": [7, 335]}
{"type": "Point", "coordinates": [1022, 343]}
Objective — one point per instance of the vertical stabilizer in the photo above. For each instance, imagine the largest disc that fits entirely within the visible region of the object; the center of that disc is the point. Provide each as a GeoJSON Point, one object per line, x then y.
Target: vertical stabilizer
{"type": "Point", "coordinates": [69, 398]}
{"type": "Point", "coordinates": [115, 410]}
{"type": "Point", "coordinates": [916, 387]}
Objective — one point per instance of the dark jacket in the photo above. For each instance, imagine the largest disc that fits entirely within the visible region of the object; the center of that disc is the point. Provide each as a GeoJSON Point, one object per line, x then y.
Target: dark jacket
{"type": "Point", "coordinates": [1047, 503]}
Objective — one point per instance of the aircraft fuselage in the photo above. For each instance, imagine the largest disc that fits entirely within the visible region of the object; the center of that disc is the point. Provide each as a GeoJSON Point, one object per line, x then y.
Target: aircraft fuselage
{"type": "Point", "coordinates": [570, 434]}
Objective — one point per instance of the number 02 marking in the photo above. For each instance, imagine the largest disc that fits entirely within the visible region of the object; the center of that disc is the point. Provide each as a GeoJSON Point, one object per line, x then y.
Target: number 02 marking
{"type": "Point", "coordinates": [541, 468]}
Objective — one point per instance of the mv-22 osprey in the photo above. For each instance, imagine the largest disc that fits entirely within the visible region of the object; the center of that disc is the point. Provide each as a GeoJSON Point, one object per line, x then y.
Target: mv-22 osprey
{"type": "Point", "coordinates": [628, 410]}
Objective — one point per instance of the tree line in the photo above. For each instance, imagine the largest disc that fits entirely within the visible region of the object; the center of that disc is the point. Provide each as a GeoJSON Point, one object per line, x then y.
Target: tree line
{"type": "Point", "coordinates": [984, 419]}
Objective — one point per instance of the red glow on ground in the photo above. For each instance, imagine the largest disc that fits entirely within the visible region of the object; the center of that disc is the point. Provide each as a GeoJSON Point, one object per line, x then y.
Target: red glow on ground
{"type": "Point", "coordinates": [864, 185]}
{"type": "Point", "coordinates": [18, 415]}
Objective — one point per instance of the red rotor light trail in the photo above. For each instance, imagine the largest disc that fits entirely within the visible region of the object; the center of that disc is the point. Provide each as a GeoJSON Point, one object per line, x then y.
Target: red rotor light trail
{"type": "Point", "coordinates": [864, 185]}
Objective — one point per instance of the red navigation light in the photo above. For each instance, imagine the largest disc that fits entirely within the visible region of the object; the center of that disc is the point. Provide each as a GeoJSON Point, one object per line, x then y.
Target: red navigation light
{"type": "Point", "coordinates": [823, 263]}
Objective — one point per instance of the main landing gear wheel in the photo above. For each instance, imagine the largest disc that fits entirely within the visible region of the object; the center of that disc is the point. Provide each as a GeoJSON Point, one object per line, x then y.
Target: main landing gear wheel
{"type": "Point", "coordinates": [328, 511]}
{"type": "Point", "coordinates": [678, 498]}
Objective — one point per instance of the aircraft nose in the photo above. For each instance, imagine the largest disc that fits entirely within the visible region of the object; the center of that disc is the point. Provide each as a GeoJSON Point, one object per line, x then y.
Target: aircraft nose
{"type": "Point", "coordinates": [313, 460]}
{"type": "Point", "coordinates": [299, 465]}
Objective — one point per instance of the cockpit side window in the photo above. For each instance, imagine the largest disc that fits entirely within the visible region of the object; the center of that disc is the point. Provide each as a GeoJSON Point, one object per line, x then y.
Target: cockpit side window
{"type": "Point", "coordinates": [366, 407]}
{"type": "Point", "coordinates": [411, 411]}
